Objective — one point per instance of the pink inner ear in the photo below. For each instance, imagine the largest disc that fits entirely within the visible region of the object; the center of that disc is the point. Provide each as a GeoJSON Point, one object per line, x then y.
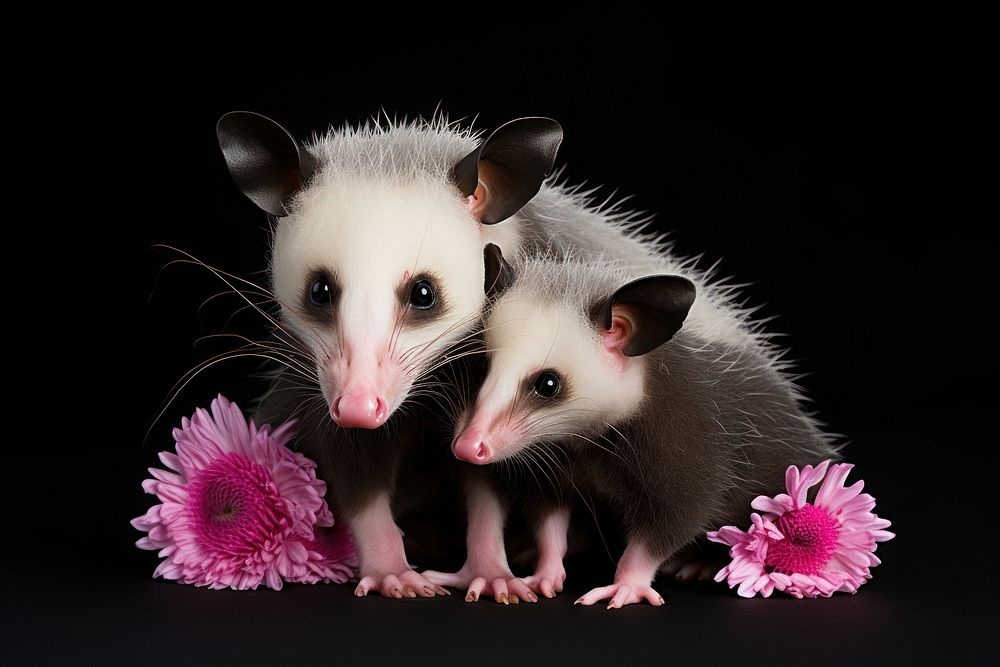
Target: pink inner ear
{"type": "Point", "coordinates": [476, 202]}
{"type": "Point", "coordinates": [616, 337]}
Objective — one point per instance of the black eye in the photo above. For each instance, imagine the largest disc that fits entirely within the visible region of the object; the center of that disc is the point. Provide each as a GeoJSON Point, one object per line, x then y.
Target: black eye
{"type": "Point", "coordinates": [547, 384]}
{"type": "Point", "coordinates": [422, 295]}
{"type": "Point", "coordinates": [319, 293]}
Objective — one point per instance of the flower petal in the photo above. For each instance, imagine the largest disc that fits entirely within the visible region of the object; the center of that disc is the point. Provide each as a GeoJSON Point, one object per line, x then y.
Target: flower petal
{"type": "Point", "coordinates": [730, 535]}
{"type": "Point", "coordinates": [170, 460]}
{"type": "Point", "coordinates": [770, 505]}
{"type": "Point", "coordinates": [799, 483]}
{"type": "Point", "coordinates": [297, 552]}
{"type": "Point", "coordinates": [273, 580]}
{"type": "Point", "coordinates": [781, 581]}
{"type": "Point", "coordinates": [746, 589]}
{"type": "Point", "coordinates": [165, 476]}
{"type": "Point", "coordinates": [833, 483]}
{"type": "Point", "coordinates": [792, 484]}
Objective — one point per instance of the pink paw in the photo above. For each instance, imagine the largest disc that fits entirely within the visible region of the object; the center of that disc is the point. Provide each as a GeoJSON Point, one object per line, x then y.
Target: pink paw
{"type": "Point", "coordinates": [498, 582]}
{"type": "Point", "coordinates": [407, 584]}
{"type": "Point", "coordinates": [622, 594]}
{"type": "Point", "coordinates": [547, 580]}
{"type": "Point", "coordinates": [692, 570]}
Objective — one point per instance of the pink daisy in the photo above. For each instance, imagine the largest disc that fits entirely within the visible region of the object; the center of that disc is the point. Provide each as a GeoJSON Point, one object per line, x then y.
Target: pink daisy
{"type": "Point", "coordinates": [332, 556]}
{"type": "Point", "coordinates": [238, 508]}
{"type": "Point", "coordinates": [806, 549]}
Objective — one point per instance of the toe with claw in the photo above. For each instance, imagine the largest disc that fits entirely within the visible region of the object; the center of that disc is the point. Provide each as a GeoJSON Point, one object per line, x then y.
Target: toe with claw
{"type": "Point", "coordinates": [547, 580]}
{"type": "Point", "coordinates": [405, 584]}
{"type": "Point", "coordinates": [495, 582]}
{"type": "Point", "coordinates": [621, 594]}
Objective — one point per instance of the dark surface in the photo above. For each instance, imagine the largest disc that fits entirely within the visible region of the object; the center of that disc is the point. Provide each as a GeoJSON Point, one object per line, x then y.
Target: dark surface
{"type": "Point", "coordinates": [131, 622]}
{"type": "Point", "coordinates": [809, 165]}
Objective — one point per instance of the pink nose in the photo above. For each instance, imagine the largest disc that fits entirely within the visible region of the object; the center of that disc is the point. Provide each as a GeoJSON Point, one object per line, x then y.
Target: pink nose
{"type": "Point", "coordinates": [469, 446]}
{"type": "Point", "coordinates": [358, 411]}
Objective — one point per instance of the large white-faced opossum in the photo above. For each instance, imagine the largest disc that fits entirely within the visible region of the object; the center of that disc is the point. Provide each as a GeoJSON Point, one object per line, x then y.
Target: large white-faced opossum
{"type": "Point", "coordinates": [377, 267]}
{"type": "Point", "coordinates": [651, 392]}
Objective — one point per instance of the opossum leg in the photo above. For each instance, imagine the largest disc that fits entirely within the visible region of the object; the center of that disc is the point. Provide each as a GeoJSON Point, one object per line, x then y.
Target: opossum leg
{"type": "Point", "coordinates": [551, 536]}
{"type": "Point", "coordinates": [692, 570]}
{"type": "Point", "coordinates": [384, 568]}
{"type": "Point", "coordinates": [633, 580]}
{"type": "Point", "coordinates": [486, 563]}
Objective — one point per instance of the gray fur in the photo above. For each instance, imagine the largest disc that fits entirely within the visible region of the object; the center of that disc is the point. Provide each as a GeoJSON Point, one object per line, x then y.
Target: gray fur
{"type": "Point", "coordinates": [417, 151]}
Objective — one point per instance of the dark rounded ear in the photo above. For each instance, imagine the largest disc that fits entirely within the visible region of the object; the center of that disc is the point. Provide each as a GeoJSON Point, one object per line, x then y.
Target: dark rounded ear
{"type": "Point", "coordinates": [264, 159]}
{"type": "Point", "coordinates": [655, 308]}
{"type": "Point", "coordinates": [511, 163]}
{"type": "Point", "coordinates": [499, 274]}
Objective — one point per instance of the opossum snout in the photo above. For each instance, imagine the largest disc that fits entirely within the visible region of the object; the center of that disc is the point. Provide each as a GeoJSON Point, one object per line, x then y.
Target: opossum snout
{"type": "Point", "coordinates": [358, 411]}
{"type": "Point", "coordinates": [470, 446]}
{"type": "Point", "coordinates": [361, 385]}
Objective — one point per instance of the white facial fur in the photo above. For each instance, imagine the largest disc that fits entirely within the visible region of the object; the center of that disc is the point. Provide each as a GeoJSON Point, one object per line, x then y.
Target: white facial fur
{"type": "Point", "coordinates": [599, 387]}
{"type": "Point", "coordinates": [370, 237]}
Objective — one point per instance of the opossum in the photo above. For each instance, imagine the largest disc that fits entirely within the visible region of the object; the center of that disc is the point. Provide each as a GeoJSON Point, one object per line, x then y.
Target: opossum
{"type": "Point", "coordinates": [377, 269]}
{"type": "Point", "coordinates": [619, 384]}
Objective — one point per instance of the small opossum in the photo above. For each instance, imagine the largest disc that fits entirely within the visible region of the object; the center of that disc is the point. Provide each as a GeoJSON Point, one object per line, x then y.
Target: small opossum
{"type": "Point", "coordinates": [648, 407]}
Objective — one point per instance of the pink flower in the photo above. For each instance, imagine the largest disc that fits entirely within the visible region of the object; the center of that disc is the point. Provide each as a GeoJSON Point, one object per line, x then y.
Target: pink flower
{"type": "Point", "coordinates": [806, 549]}
{"type": "Point", "coordinates": [238, 508]}
{"type": "Point", "coordinates": [332, 556]}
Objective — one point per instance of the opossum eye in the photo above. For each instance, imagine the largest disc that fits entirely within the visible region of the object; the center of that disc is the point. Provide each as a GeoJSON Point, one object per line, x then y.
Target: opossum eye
{"type": "Point", "coordinates": [422, 295]}
{"type": "Point", "coordinates": [320, 292]}
{"type": "Point", "coordinates": [547, 384]}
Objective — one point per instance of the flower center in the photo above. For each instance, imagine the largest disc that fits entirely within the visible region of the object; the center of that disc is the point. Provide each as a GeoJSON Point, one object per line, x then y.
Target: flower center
{"type": "Point", "coordinates": [234, 506]}
{"type": "Point", "coordinates": [225, 512]}
{"type": "Point", "coordinates": [810, 540]}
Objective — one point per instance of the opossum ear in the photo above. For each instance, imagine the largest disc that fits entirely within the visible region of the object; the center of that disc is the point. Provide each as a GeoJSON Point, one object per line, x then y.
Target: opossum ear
{"type": "Point", "coordinates": [644, 314]}
{"type": "Point", "coordinates": [507, 169]}
{"type": "Point", "coordinates": [499, 274]}
{"type": "Point", "coordinates": [264, 159]}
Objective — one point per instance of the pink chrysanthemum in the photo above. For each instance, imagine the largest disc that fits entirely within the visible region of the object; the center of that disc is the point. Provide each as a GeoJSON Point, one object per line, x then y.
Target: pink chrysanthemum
{"type": "Point", "coordinates": [332, 556]}
{"type": "Point", "coordinates": [806, 549]}
{"type": "Point", "coordinates": [238, 508]}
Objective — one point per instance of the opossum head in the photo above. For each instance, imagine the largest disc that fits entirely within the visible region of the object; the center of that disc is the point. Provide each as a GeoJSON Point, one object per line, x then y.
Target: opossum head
{"type": "Point", "coordinates": [377, 256]}
{"type": "Point", "coordinates": [566, 344]}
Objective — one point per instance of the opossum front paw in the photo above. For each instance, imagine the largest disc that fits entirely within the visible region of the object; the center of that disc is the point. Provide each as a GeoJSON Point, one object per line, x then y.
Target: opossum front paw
{"type": "Point", "coordinates": [499, 583]}
{"type": "Point", "coordinates": [692, 570]}
{"type": "Point", "coordinates": [547, 580]}
{"type": "Point", "coordinates": [407, 584]}
{"type": "Point", "coordinates": [621, 594]}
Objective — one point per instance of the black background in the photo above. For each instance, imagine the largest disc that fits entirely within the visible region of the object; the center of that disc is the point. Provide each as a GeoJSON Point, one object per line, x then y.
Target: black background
{"type": "Point", "coordinates": [803, 163]}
